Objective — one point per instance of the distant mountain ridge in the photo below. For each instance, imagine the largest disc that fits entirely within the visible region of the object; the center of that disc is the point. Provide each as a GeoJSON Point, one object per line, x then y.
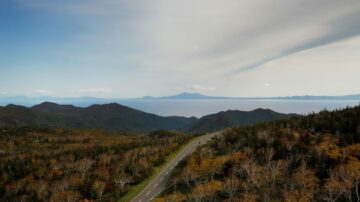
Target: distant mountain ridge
{"type": "Point", "coordinates": [87, 101]}
{"type": "Point", "coordinates": [186, 95]}
{"type": "Point", "coordinates": [119, 117]}
{"type": "Point", "coordinates": [314, 97]}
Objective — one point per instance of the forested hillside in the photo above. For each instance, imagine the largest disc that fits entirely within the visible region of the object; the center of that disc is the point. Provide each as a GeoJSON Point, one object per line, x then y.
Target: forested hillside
{"type": "Point", "coordinates": [73, 165]}
{"type": "Point", "coordinates": [312, 158]}
{"type": "Point", "coordinates": [108, 116]}
{"type": "Point", "coordinates": [122, 118]}
{"type": "Point", "coordinates": [230, 118]}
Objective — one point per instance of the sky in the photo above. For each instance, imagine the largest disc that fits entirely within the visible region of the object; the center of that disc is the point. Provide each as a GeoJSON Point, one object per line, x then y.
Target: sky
{"type": "Point", "coordinates": [132, 48]}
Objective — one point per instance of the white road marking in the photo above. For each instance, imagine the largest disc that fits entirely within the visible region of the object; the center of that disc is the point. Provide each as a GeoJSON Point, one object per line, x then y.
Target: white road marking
{"type": "Point", "coordinates": [147, 194]}
{"type": "Point", "coordinates": [156, 185]}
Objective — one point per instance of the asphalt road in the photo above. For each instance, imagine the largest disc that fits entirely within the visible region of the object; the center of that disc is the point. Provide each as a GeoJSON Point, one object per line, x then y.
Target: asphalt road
{"type": "Point", "coordinates": [159, 183]}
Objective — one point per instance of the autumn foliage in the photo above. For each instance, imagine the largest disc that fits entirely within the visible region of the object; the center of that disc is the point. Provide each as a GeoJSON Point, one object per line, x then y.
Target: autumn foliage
{"type": "Point", "coordinates": [58, 165]}
{"type": "Point", "coordinates": [311, 158]}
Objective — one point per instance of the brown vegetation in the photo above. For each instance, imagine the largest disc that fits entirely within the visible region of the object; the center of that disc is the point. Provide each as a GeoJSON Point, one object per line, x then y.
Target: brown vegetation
{"type": "Point", "coordinates": [77, 165]}
{"type": "Point", "coordinates": [312, 158]}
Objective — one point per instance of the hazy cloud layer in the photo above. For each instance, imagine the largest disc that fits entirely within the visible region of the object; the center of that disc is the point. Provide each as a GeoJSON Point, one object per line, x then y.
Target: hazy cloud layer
{"type": "Point", "coordinates": [94, 90]}
{"type": "Point", "coordinates": [42, 92]}
{"type": "Point", "coordinates": [228, 47]}
{"type": "Point", "coordinates": [231, 36]}
{"type": "Point", "coordinates": [201, 88]}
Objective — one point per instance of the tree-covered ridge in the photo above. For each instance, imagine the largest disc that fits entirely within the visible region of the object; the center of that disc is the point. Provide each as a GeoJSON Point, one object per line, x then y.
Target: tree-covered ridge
{"type": "Point", "coordinates": [73, 165]}
{"type": "Point", "coordinates": [119, 117]}
{"type": "Point", "coordinates": [111, 116]}
{"type": "Point", "coordinates": [231, 118]}
{"type": "Point", "coordinates": [312, 158]}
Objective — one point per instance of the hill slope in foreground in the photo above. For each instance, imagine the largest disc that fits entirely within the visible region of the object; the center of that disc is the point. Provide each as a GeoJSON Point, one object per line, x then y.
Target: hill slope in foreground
{"type": "Point", "coordinates": [311, 158]}
{"type": "Point", "coordinates": [119, 117]}
{"type": "Point", "coordinates": [61, 165]}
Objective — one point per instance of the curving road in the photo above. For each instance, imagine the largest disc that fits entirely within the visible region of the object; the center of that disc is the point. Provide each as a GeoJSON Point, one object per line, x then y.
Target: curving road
{"type": "Point", "coordinates": [159, 183]}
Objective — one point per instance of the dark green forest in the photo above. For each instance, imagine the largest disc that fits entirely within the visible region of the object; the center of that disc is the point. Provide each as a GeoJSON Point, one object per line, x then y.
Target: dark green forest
{"type": "Point", "coordinates": [118, 117]}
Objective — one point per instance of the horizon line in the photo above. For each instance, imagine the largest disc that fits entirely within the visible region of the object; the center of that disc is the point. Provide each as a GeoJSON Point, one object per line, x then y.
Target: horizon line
{"type": "Point", "coordinates": [174, 95]}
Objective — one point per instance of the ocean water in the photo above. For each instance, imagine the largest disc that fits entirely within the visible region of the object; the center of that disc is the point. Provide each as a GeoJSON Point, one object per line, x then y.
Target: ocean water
{"type": "Point", "coordinates": [200, 108]}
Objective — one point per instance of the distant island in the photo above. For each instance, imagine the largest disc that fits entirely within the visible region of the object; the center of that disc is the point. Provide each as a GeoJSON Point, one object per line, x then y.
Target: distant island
{"type": "Point", "coordinates": [186, 95]}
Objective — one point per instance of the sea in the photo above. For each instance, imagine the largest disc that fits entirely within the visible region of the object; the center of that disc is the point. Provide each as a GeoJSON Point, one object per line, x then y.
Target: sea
{"type": "Point", "coordinates": [201, 107]}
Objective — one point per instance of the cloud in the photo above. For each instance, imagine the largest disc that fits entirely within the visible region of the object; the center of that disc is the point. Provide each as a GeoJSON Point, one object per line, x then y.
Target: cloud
{"type": "Point", "coordinates": [95, 90]}
{"type": "Point", "coordinates": [214, 38]}
{"type": "Point", "coordinates": [266, 84]}
{"type": "Point", "coordinates": [196, 88]}
{"type": "Point", "coordinates": [201, 88]}
{"type": "Point", "coordinates": [180, 89]}
{"type": "Point", "coordinates": [42, 91]}
{"type": "Point", "coordinates": [328, 70]}
{"type": "Point", "coordinates": [211, 42]}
